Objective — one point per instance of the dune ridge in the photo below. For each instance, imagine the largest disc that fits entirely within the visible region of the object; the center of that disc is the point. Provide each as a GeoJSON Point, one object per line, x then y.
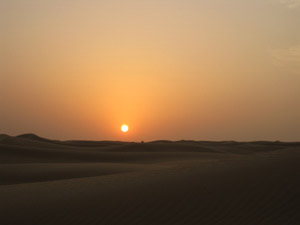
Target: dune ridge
{"type": "Point", "coordinates": [162, 182]}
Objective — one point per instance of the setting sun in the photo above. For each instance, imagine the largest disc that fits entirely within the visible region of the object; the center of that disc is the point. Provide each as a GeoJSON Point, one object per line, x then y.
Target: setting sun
{"type": "Point", "coordinates": [124, 128]}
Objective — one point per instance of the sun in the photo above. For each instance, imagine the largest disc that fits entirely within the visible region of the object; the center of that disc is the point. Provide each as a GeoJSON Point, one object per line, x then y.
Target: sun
{"type": "Point", "coordinates": [124, 128]}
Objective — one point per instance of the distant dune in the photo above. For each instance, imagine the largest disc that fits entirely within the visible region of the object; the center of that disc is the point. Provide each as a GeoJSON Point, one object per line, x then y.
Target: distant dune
{"type": "Point", "coordinates": [185, 182]}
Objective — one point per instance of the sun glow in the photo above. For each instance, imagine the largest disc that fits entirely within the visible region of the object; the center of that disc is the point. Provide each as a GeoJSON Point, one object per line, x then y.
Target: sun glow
{"type": "Point", "coordinates": [124, 128]}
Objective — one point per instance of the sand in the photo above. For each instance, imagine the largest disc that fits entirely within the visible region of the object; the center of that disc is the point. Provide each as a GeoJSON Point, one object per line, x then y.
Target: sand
{"type": "Point", "coordinates": [159, 183]}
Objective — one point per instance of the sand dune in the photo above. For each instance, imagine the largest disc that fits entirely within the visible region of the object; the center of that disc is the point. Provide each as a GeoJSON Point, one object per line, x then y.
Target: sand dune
{"type": "Point", "coordinates": [157, 183]}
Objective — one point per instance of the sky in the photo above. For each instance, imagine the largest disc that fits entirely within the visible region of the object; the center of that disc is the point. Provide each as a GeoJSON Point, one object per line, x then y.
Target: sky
{"type": "Point", "coordinates": [169, 69]}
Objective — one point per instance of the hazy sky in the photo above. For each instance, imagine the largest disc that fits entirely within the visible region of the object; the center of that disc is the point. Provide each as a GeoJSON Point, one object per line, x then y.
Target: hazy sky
{"type": "Point", "coordinates": [170, 69]}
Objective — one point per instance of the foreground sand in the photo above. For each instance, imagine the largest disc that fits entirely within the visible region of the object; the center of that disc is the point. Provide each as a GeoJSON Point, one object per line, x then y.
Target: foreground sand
{"type": "Point", "coordinates": [159, 183]}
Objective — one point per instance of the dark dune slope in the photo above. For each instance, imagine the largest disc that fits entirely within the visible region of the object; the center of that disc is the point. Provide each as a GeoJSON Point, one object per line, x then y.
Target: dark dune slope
{"type": "Point", "coordinates": [157, 183]}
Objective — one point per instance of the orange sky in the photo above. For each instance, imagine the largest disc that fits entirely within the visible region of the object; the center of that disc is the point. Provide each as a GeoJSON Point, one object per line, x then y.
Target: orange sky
{"type": "Point", "coordinates": [180, 69]}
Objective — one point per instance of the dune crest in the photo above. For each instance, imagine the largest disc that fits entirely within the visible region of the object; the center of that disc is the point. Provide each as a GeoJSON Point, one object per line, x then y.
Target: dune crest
{"type": "Point", "coordinates": [183, 182]}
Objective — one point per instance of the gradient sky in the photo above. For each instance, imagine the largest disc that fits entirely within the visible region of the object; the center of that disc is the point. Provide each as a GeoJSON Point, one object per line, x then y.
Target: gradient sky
{"type": "Point", "coordinates": [170, 69]}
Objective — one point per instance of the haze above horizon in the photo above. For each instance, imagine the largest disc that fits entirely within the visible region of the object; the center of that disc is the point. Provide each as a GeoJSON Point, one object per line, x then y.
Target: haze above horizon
{"type": "Point", "coordinates": [180, 69]}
